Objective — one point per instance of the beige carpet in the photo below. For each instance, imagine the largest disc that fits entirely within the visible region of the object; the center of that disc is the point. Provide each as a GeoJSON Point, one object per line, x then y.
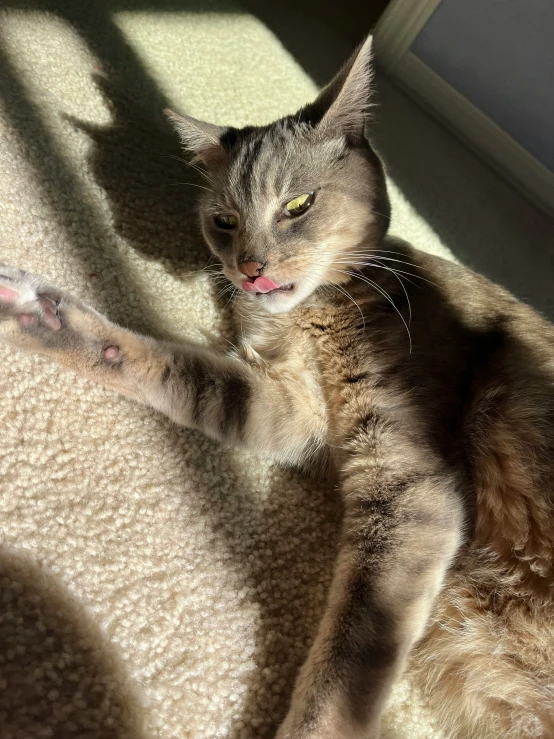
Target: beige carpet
{"type": "Point", "coordinates": [151, 583]}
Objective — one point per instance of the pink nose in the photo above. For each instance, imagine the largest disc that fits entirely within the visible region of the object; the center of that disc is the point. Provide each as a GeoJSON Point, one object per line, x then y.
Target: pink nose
{"type": "Point", "coordinates": [250, 269]}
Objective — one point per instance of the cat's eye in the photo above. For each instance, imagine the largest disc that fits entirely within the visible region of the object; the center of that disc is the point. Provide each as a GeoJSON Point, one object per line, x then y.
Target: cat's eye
{"type": "Point", "coordinates": [300, 204]}
{"type": "Point", "coordinates": [226, 221]}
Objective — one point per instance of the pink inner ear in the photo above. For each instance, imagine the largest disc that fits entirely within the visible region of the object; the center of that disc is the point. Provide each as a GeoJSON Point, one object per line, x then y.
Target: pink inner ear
{"type": "Point", "coordinates": [8, 295]}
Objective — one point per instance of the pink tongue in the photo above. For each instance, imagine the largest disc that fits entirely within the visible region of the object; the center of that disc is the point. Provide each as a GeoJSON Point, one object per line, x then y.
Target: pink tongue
{"type": "Point", "coordinates": [260, 285]}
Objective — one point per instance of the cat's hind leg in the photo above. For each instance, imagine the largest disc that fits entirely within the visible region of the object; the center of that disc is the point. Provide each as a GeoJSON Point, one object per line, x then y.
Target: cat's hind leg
{"type": "Point", "coordinates": [401, 530]}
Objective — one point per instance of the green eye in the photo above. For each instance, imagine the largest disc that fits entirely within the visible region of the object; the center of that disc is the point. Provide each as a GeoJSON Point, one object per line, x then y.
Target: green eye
{"type": "Point", "coordinates": [299, 205]}
{"type": "Point", "coordinates": [227, 222]}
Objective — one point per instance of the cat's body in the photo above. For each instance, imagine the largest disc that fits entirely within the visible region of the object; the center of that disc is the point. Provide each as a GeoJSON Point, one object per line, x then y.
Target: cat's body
{"type": "Point", "coordinates": [431, 401]}
{"type": "Point", "coordinates": [477, 390]}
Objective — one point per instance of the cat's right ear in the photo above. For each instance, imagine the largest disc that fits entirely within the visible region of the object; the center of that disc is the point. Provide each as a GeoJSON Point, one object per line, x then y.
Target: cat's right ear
{"type": "Point", "coordinates": [342, 106]}
{"type": "Point", "coordinates": [200, 138]}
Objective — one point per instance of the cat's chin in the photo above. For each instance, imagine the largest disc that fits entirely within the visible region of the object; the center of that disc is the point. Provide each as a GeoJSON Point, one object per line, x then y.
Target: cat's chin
{"type": "Point", "coordinates": [278, 301]}
{"type": "Point", "coordinates": [283, 301]}
{"type": "Point", "coordinates": [285, 298]}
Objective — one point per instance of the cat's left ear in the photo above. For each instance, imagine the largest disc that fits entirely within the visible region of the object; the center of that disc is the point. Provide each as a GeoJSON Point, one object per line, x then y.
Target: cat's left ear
{"type": "Point", "coordinates": [198, 137]}
{"type": "Point", "coordinates": [341, 107]}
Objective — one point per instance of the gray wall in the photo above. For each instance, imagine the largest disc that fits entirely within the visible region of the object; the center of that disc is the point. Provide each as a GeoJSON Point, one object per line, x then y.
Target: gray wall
{"type": "Point", "coordinates": [500, 55]}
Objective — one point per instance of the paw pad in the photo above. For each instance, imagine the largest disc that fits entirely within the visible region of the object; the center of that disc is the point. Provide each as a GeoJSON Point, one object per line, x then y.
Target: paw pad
{"type": "Point", "coordinates": [112, 355]}
{"type": "Point", "coordinates": [26, 320]}
{"type": "Point", "coordinates": [50, 313]}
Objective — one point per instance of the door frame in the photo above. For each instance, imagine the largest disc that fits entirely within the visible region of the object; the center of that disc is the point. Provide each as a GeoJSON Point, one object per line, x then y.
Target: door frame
{"type": "Point", "coordinates": [394, 33]}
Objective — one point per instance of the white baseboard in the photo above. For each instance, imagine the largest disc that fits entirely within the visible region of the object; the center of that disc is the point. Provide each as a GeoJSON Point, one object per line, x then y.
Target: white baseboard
{"type": "Point", "coordinates": [398, 27]}
{"type": "Point", "coordinates": [393, 37]}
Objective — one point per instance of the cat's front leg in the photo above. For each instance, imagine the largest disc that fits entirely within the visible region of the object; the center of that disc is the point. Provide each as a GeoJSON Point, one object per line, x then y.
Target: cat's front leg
{"type": "Point", "coordinates": [400, 533]}
{"type": "Point", "coordinates": [38, 318]}
{"type": "Point", "coordinates": [279, 414]}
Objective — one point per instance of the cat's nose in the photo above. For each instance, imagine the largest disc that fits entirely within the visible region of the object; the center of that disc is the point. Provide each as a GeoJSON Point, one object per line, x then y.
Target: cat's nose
{"type": "Point", "coordinates": [251, 269]}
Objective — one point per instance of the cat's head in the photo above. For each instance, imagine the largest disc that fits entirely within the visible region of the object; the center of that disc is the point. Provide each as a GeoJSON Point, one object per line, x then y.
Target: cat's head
{"type": "Point", "coordinates": [291, 206]}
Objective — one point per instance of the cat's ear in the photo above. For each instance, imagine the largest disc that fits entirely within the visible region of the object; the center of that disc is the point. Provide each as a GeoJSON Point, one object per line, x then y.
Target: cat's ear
{"type": "Point", "coordinates": [201, 138]}
{"type": "Point", "coordinates": [341, 107]}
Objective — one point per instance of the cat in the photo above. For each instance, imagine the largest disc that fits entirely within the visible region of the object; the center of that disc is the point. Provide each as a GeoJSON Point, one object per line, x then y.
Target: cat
{"type": "Point", "coordinates": [425, 390]}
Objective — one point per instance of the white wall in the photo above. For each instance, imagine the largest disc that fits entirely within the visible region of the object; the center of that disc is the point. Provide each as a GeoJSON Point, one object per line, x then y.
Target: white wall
{"type": "Point", "coordinates": [499, 54]}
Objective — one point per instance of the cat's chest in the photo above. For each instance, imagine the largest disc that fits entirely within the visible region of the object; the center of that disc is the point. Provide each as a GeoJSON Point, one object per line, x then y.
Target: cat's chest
{"type": "Point", "coordinates": [330, 337]}
{"type": "Point", "coordinates": [328, 345]}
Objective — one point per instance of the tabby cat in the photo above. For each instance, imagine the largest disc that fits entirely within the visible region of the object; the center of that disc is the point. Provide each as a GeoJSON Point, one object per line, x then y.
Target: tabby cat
{"type": "Point", "coordinates": [426, 390]}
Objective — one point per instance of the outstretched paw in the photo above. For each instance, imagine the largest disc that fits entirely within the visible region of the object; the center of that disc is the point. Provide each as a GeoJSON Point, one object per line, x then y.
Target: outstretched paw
{"type": "Point", "coordinates": [37, 317]}
{"type": "Point", "coordinates": [28, 300]}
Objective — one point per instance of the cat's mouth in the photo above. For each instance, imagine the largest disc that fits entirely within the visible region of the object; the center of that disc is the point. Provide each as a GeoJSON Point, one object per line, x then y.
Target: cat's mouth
{"type": "Point", "coordinates": [263, 285]}
{"type": "Point", "coordinates": [281, 289]}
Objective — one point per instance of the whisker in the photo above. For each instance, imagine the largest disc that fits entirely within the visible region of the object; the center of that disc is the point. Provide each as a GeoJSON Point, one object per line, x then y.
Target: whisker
{"type": "Point", "coordinates": [396, 272]}
{"type": "Point", "coordinates": [411, 274]}
{"type": "Point", "coordinates": [210, 269]}
{"type": "Point", "coordinates": [368, 252]}
{"type": "Point", "coordinates": [401, 261]}
{"type": "Point", "coordinates": [220, 278]}
{"type": "Point", "coordinates": [389, 269]}
{"type": "Point", "coordinates": [372, 263]}
{"type": "Point", "coordinates": [174, 156]}
{"type": "Point", "coordinates": [225, 290]}
{"type": "Point", "coordinates": [376, 254]}
{"type": "Point", "coordinates": [382, 266]}
{"type": "Point", "coordinates": [345, 292]}
{"type": "Point", "coordinates": [231, 299]}
{"type": "Point", "coordinates": [386, 296]}
{"type": "Point", "coordinates": [189, 164]}
{"type": "Point", "coordinates": [191, 184]}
